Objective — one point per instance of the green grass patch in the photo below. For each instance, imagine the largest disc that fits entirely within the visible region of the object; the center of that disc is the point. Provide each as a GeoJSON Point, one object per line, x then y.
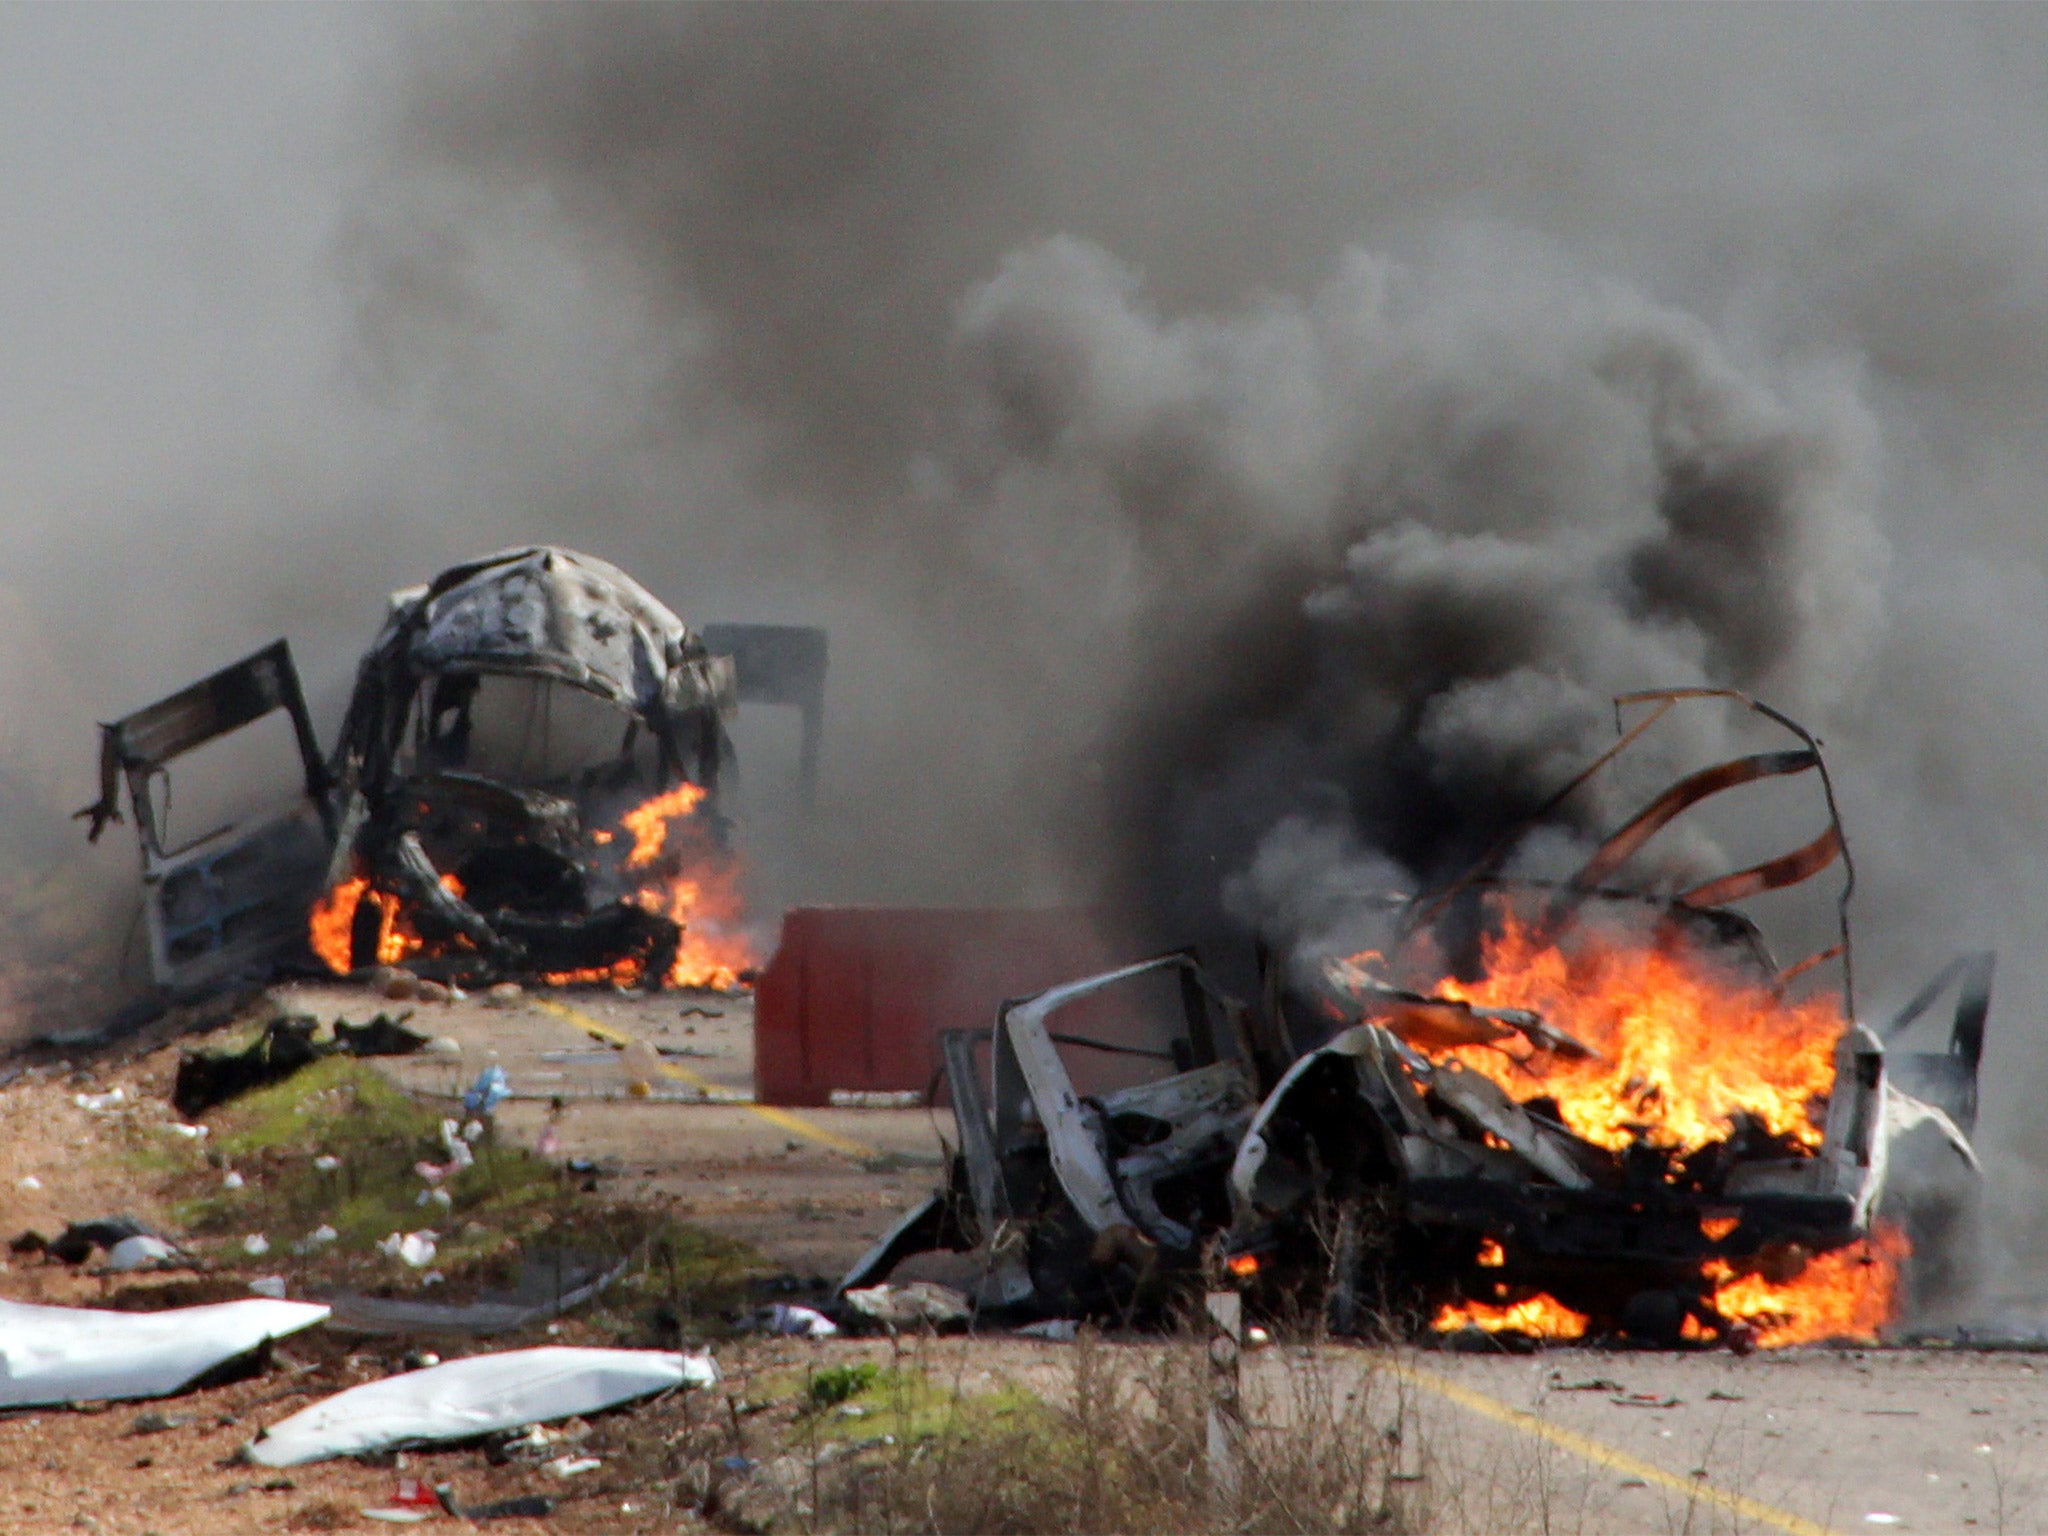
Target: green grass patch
{"type": "Point", "coordinates": [339, 1102]}
{"type": "Point", "coordinates": [345, 1110]}
{"type": "Point", "coordinates": [375, 1135]}
{"type": "Point", "coordinates": [836, 1383]}
{"type": "Point", "coordinates": [509, 1205]}
{"type": "Point", "coordinates": [864, 1401]}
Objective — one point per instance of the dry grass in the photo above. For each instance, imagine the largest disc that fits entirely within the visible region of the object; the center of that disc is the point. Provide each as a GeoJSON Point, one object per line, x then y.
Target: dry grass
{"type": "Point", "coordinates": [952, 1436]}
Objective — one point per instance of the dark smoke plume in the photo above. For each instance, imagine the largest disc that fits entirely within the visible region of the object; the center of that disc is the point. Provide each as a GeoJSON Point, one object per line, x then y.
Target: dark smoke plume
{"type": "Point", "coordinates": [1399, 544]}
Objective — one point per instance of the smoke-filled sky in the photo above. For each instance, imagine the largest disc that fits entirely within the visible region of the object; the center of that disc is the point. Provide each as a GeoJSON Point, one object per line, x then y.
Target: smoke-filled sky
{"type": "Point", "coordinates": [1229, 446]}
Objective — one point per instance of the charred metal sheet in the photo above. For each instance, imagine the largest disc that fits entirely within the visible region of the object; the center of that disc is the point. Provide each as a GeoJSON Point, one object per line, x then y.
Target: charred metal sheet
{"type": "Point", "coordinates": [151, 738]}
{"type": "Point", "coordinates": [1480, 1104]}
{"type": "Point", "coordinates": [1947, 1078]}
{"type": "Point", "coordinates": [1771, 875]}
{"type": "Point", "coordinates": [779, 664]}
{"type": "Point", "coordinates": [231, 902]}
{"type": "Point", "coordinates": [1680, 798]}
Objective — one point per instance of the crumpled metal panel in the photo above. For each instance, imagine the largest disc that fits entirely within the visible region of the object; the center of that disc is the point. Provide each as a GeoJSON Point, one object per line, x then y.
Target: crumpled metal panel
{"type": "Point", "coordinates": [229, 903]}
{"type": "Point", "coordinates": [554, 612]}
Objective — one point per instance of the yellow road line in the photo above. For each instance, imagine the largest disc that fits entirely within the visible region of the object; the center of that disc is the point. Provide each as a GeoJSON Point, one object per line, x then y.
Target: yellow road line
{"type": "Point", "coordinates": [1695, 1489]}
{"type": "Point", "coordinates": [796, 1125]}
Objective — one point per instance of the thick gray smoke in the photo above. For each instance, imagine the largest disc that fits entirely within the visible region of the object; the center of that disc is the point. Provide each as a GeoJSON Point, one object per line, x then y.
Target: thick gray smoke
{"type": "Point", "coordinates": [1236, 451]}
{"type": "Point", "coordinates": [1397, 545]}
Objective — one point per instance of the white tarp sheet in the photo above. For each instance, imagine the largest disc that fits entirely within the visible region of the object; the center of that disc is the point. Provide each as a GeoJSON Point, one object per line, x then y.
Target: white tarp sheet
{"type": "Point", "coordinates": [74, 1355]}
{"type": "Point", "coordinates": [476, 1396]}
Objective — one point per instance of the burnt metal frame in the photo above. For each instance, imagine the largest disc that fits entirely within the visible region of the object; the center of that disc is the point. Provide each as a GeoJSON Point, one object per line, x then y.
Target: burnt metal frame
{"type": "Point", "coordinates": [243, 920]}
{"type": "Point", "coordinates": [1206, 1107]}
{"type": "Point", "coordinates": [779, 664]}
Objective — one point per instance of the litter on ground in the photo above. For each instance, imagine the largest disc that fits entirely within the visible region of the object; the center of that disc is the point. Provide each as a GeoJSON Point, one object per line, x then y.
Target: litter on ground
{"type": "Point", "coordinates": [73, 1354]}
{"type": "Point", "coordinates": [462, 1399]}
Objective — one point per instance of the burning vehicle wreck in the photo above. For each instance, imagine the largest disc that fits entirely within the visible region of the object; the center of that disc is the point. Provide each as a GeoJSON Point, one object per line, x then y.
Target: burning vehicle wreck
{"type": "Point", "coordinates": [1088, 1201]}
{"type": "Point", "coordinates": [525, 784]}
{"type": "Point", "coordinates": [1572, 1108]}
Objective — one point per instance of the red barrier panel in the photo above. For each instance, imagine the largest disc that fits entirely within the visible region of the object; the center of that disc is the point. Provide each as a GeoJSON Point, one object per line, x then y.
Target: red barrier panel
{"type": "Point", "coordinates": [855, 997]}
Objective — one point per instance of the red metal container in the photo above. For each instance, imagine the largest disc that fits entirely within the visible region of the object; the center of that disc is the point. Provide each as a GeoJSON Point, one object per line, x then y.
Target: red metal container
{"type": "Point", "coordinates": [855, 997]}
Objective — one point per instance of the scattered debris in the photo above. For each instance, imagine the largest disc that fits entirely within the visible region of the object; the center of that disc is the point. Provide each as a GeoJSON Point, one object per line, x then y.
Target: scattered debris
{"type": "Point", "coordinates": [549, 1284]}
{"type": "Point", "coordinates": [1645, 1400]}
{"type": "Point", "coordinates": [533, 1443]}
{"type": "Point", "coordinates": [76, 1243]}
{"type": "Point", "coordinates": [490, 1089]}
{"type": "Point", "coordinates": [71, 1354]}
{"type": "Point", "coordinates": [787, 1321]}
{"type": "Point", "coordinates": [920, 1303]}
{"type": "Point", "coordinates": [414, 1248]}
{"type": "Point", "coordinates": [1060, 1330]}
{"type": "Point", "coordinates": [145, 1250]}
{"type": "Point", "coordinates": [874, 1098]}
{"type": "Point", "coordinates": [466, 1398]}
{"type": "Point", "coordinates": [531, 1506]}
{"type": "Point", "coordinates": [289, 1043]}
{"type": "Point", "coordinates": [573, 1466]}
{"type": "Point", "coordinates": [155, 1422]}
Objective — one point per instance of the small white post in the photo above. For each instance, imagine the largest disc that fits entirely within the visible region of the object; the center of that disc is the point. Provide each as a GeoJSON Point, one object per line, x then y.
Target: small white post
{"type": "Point", "coordinates": [1226, 1419]}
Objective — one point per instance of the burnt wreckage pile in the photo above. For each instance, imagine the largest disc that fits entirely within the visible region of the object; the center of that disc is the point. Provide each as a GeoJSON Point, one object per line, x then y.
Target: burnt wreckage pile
{"type": "Point", "coordinates": [1390, 1136]}
{"type": "Point", "coordinates": [496, 873]}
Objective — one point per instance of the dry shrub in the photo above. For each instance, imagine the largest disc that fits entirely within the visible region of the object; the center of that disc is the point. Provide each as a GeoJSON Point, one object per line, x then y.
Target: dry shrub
{"type": "Point", "coordinates": [1122, 1446]}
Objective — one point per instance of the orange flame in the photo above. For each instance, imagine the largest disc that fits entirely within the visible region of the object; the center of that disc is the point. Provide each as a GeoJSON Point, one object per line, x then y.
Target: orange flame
{"type": "Point", "coordinates": [1850, 1293]}
{"type": "Point", "coordinates": [1491, 1256]}
{"type": "Point", "coordinates": [331, 930]}
{"type": "Point", "coordinates": [648, 821]}
{"type": "Point", "coordinates": [1541, 1317]}
{"type": "Point", "coordinates": [682, 872]}
{"type": "Point", "coordinates": [702, 896]}
{"type": "Point", "coordinates": [1683, 1045]}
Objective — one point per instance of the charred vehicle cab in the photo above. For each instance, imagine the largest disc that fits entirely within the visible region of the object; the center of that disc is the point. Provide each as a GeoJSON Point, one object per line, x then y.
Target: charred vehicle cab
{"type": "Point", "coordinates": [505, 868]}
{"type": "Point", "coordinates": [528, 765]}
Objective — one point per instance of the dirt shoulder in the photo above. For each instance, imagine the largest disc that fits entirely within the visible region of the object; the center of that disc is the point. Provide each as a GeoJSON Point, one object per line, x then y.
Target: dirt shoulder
{"type": "Point", "coordinates": [78, 1142]}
